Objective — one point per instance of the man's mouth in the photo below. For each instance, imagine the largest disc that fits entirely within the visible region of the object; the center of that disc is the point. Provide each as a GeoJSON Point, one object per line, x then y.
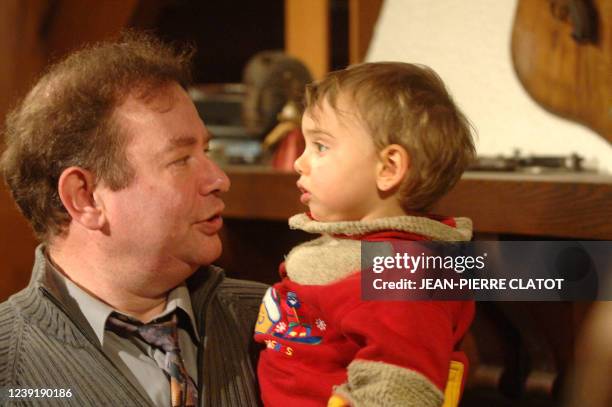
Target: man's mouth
{"type": "Point", "coordinates": [212, 224]}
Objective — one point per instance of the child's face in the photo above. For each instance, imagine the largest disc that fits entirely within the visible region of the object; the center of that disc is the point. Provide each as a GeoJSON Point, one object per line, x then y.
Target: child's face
{"type": "Point", "coordinates": [338, 166]}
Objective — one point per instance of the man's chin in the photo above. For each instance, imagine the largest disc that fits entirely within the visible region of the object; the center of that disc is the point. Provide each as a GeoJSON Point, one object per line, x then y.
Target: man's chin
{"type": "Point", "coordinates": [207, 252]}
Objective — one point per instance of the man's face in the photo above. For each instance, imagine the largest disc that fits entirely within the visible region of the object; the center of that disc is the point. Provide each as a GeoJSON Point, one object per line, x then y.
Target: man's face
{"type": "Point", "coordinates": [170, 213]}
{"type": "Point", "coordinates": [338, 166]}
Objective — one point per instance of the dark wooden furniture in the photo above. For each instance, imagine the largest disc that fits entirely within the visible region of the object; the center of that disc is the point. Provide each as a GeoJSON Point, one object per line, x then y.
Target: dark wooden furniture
{"type": "Point", "coordinates": [554, 205]}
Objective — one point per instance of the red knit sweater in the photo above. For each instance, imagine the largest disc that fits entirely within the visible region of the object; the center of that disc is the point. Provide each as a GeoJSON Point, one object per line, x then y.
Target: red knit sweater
{"type": "Point", "coordinates": [313, 333]}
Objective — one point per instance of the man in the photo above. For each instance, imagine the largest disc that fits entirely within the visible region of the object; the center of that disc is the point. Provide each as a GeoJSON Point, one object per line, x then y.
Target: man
{"type": "Point", "coordinates": [106, 157]}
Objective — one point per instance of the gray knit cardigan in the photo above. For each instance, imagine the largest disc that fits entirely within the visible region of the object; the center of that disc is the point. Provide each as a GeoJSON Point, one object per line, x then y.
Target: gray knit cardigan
{"type": "Point", "coordinates": [45, 342]}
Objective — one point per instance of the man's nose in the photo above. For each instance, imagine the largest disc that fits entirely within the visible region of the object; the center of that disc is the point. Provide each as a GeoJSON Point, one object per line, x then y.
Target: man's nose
{"type": "Point", "coordinates": [216, 181]}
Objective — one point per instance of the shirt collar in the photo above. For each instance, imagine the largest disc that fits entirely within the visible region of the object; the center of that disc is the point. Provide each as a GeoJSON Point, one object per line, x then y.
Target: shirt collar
{"type": "Point", "coordinates": [96, 312]}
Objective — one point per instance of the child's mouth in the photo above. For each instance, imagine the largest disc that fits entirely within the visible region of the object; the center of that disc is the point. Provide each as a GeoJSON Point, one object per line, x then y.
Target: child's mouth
{"type": "Point", "coordinates": [305, 197]}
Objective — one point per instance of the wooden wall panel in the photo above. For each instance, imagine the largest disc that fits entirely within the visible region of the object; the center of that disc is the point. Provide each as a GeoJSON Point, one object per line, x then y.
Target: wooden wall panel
{"type": "Point", "coordinates": [17, 245]}
{"type": "Point", "coordinates": [363, 15]}
{"type": "Point", "coordinates": [307, 33]}
{"type": "Point", "coordinates": [31, 33]}
{"type": "Point", "coordinates": [521, 204]}
{"type": "Point", "coordinates": [23, 52]}
{"type": "Point", "coordinates": [76, 22]}
{"type": "Point", "coordinates": [23, 57]}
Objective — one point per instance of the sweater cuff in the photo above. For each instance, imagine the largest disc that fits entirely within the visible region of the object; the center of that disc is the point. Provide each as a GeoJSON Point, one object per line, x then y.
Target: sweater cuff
{"type": "Point", "coordinates": [382, 384]}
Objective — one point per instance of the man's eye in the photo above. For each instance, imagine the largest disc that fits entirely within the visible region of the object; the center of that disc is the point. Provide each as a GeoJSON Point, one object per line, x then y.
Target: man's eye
{"type": "Point", "coordinates": [320, 147]}
{"type": "Point", "coordinates": [182, 161]}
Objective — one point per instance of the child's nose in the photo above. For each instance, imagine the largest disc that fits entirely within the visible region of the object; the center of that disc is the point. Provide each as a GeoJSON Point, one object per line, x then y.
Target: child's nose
{"type": "Point", "coordinates": [298, 164]}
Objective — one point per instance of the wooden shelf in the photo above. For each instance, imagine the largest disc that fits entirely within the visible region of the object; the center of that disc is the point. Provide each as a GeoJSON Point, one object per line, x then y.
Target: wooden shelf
{"type": "Point", "coordinates": [572, 205]}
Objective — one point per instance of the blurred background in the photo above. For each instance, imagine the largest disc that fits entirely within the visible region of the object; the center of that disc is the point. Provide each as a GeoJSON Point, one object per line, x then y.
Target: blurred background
{"type": "Point", "coordinates": [533, 76]}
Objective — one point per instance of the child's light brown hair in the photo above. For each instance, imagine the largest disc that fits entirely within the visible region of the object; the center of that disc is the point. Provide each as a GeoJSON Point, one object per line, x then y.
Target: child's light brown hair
{"type": "Point", "coordinates": [408, 105]}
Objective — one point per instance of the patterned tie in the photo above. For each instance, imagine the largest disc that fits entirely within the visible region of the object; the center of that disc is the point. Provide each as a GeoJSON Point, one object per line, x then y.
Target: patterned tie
{"type": "Point", "coordinates": [162, 335]}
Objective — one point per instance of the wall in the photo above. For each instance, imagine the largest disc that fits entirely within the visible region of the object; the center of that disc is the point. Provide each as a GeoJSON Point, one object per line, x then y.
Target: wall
{"type": "Point", "coordinates": [22, 59]}
{"type": "Point", "coordinates": [32, 33]}
{"type": "Point", "coordinates": [468, 44]}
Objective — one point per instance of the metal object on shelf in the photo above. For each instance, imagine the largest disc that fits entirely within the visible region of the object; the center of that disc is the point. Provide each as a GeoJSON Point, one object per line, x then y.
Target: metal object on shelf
{"type": "Point", "coordinates": [220, 106]}
{"type": "Point", "coordinates": [534, 164]}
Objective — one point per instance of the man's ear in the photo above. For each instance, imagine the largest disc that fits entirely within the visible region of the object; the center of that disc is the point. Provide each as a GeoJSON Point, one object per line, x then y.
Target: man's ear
{"type": "Point", "coordinates": [76, 190]}
{"type": "Point", "coordinates": [393, 166]}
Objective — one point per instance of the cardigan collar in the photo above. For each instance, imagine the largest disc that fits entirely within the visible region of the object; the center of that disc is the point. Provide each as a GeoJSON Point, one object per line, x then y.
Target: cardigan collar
{"type": "Point", "coordinates": [201, 285]}
{"type": "Point", "coordinates": [431, 228]}
{"type": "Point", "coordinates": [337, 254]}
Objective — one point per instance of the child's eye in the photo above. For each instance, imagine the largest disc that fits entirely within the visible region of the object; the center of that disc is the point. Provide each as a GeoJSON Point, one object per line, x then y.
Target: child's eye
{"type": "Point", "coordinates": [320, 147]}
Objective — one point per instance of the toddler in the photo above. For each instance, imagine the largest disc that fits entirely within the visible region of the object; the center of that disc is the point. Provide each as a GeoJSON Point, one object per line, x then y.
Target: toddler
{"type": "Point", "coordinates": [384, 141]}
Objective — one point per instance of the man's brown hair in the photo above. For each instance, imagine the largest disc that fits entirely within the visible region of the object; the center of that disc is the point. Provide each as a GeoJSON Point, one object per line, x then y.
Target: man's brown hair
{"type": "Point", "coordinates": [408, 105]}
{"type": "Point", "coordinates": [67, 120]}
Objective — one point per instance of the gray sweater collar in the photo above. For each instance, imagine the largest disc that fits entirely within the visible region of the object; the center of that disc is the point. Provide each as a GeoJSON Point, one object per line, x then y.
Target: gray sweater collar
{"type": "Point", "coordinates": [421, 225]}
{"type": "Point", "coordinates": [201, 286]}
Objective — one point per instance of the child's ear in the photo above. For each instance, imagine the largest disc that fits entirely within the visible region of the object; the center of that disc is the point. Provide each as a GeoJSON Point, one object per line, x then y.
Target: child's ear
{"type": "Point", "coordinates": [76, 188]}
{"type": "Point", "coordinates": [393, 166]}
